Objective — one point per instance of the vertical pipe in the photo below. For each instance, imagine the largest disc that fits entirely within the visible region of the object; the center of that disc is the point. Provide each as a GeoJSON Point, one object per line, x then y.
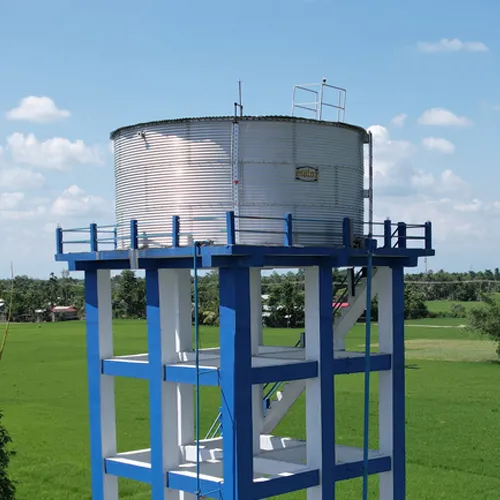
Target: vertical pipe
{"type": "Point", "coordinates": [134, 236]}
{"type": "Point", "coordinates": [175, 231]}
{"type": "Point", "coordinates": [197, 364]}
{"type": "Point", "coordinates": [366, 428]}
{"type": "Point", "coordinates": [288, 230]}
{"type": "Point", "coordinates": [93, 238]}
{"type": "Point", "coordinates": [230, 227]}
{"type": "Point", "coordinates": [370, 185]}
{"type": "Point", "coordinates": [347, 232]}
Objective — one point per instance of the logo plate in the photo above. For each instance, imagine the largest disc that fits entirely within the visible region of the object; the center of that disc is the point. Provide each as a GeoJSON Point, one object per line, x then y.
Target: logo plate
{"type": "Point", "coordinates": [306, 174]}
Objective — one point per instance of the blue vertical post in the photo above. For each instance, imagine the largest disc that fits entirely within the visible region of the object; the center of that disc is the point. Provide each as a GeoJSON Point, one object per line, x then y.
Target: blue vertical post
{"type": "Point", "coordinates": [401, 235]}
{"type": "Point", "coordinates": [428, 235]}
{"type": "Point", "coordinates": [231, 228]}
{"type": "Point", "coordinates": [134, 235]}
{"type": "Point", "coordinates": [115, 237]}
{"type": "Point", "coordinates": [387, 233]}
{"type": "Point", "coordinates": [326, 374]}
{"type": "Point", "coordinates": [236, 386]}
{"type": "Point", "coordinates": [175, 231]}
{"type": "Point", "coordinates": [155, 384]}
{"type": "Point", "coordinates": [288, 230]}
{"type": "Point", "coordinates": [93, 238]}
{"type": "Point", "coordinates": [398, 384]}
{"type": "Point", "coordinates": [59, 240]}
{"type": "Point", "coordinates": [100, 387]}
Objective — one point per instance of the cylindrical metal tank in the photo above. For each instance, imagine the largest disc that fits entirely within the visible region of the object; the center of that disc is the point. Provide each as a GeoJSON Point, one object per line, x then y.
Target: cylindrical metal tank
{"type": "Point", "coordinates": [200, 168]}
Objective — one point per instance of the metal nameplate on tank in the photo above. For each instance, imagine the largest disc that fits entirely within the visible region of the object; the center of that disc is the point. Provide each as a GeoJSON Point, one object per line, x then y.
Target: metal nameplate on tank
{"type": "Point", "coordinates": [307, 174]}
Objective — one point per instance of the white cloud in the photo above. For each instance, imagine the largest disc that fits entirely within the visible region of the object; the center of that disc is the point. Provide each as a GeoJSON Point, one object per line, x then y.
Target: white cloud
{"type": "Point", "coordinates": [389, 153]}
{"type": "Point", "coordinates": [438, 144]}
{"type": "Point", "coordinates": [57, 153]}
{"type": "Point", "coordinates": [37, 110]}
{"type": "Point", "coordinates": [20, 178]}
{"type": "Point", "coordinates": [443, 117]}
{"type": "Point", "coordinates": [9, 201]}
{"type": "Point", "coordinates": [399, 120]}
{"type": "Point", "coordinates": [74, 202]}
{"type": "Point", "coordinates": [451, 45]}
{"type": "Point", "coordinates": [452, 182]}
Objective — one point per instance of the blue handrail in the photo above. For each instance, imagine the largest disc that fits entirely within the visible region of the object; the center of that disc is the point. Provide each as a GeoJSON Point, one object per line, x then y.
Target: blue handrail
{"type": "Point", "coordinates": [288, 231]}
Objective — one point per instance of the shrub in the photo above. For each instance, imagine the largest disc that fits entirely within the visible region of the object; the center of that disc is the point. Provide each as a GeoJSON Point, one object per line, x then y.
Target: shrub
{"type": "Point", "coordinates": [486, 320]}
{"type": "Point", "coordinates": [7, 485]}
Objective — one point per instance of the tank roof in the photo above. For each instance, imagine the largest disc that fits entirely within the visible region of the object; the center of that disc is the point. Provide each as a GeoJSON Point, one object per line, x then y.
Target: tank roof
{"type": "Point", "coordinates": [282, 118]}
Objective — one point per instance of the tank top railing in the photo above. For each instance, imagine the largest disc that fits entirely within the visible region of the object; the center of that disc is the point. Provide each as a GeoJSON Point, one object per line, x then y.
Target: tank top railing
{"type": "Point", "coordinates": [135, 236]}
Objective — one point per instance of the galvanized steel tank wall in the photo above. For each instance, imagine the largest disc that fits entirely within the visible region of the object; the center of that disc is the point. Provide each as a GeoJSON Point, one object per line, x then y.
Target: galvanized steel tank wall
{"type": "Point", "coordinates": [201, 168]}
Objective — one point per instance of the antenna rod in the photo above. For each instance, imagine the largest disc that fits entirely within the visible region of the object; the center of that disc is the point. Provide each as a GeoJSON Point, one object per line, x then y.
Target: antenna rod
{"type": "Point", "coordinates": [241, 102]}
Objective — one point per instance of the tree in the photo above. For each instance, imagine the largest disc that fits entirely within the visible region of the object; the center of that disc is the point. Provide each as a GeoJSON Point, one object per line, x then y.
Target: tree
{"type": "Point", "coordinates": [485, 320]}
{"type": "Point", "coordinates": [7, 485]}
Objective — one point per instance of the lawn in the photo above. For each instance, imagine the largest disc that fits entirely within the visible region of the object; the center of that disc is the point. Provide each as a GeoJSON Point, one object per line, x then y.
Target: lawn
{"type": "Point", "coordinates": [444, 306]}
{"type": "Point", "coordinates": [453, 410]}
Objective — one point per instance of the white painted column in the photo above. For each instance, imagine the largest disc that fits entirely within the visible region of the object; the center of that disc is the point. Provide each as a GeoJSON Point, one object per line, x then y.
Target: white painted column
{"type": "Point", "coordinates": [177, 336]}
{"type": "Point", "coordinates": [101, 387]}
{"type": "Point", "coordinates": [320, 406]}
{"type": "Point", "coordinates": [257, 339]}
{"type": "Point", "coordinates": [386, 423]}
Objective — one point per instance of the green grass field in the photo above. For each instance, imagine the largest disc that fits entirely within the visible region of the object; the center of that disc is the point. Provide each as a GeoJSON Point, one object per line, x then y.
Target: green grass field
{"type": "Point", "coordinates": [444, 306]}
{"type": "Point", "coordinates": [453, 410]}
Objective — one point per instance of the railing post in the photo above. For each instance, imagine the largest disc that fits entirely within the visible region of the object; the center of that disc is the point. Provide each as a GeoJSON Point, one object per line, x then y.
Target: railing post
{"type": "Point", "coordinates": [59, 240]}
{"type": "Point", "coordinates": [115, 236]}
{"type": "Point", "coordinates": [288, 230]}
{"type": "Point", "coordinates": [387, 233]}
{"type": "Point", "coordinates": [134, 236]}
{"type": "Point", "coordinates": [428, 235]}
{"type": "Point", "coordinates": [175, 231]}
{"type": "Point", "coordinates": [93, 238]}
{"type": "Point", "coordinates": [401, 235]}
{"type": "Point", "coordinates": [347, 232]}
{"type": "Point", "coordinates": [231, 229]}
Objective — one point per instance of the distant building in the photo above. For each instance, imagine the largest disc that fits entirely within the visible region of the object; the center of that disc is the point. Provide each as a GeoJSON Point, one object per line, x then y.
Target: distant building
{"type": "Point", "coordinates": [63, 313]}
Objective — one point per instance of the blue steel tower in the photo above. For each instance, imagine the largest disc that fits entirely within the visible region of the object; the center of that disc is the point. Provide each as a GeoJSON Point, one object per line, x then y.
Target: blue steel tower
{"type": "Point", "coordinates": [241, 458]}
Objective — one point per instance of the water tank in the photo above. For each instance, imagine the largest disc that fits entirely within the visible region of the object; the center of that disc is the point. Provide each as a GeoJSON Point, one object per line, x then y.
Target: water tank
{"type": "Point", "coordinates": [200, 168]}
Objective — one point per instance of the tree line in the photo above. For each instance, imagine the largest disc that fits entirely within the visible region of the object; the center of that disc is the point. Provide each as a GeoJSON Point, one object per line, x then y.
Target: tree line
{"type": "Point", "coordinates": [283, 294]}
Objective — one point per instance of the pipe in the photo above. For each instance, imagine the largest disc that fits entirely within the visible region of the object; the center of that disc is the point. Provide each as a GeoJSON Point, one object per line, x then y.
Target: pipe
{"type": "Point", "coordinates": [369, 269]}
{"type": "Point", "coordinates": [197, 364]}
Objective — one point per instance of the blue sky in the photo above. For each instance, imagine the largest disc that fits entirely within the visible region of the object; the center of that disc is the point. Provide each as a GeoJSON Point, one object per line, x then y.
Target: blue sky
{"type": "Point", "coordinates": [424, 76]}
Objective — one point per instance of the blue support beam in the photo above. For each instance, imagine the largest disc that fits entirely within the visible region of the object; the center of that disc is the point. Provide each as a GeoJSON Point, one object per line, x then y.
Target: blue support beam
{"type": "Point", "coordinates": [398, 384]}
{"type": "Point", "coordinates": [236, 388]}
{"type": "Point", "coordinates": [156, 396]}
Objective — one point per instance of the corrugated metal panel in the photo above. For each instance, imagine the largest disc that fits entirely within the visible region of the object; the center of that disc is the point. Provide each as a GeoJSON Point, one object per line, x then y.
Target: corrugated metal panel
{"type": "Point", "coordinates": [269, 156]}
{"type": "Point", "coordinates": [184, 168]}
{"type": "Point", "coordinates": [175, 169]}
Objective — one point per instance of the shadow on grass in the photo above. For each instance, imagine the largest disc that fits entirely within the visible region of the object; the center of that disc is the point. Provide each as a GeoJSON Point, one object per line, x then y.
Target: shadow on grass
{"type": "Point", "coordinates": [493, 362]}
{"type": "Point", "coordinates": [412, 367]}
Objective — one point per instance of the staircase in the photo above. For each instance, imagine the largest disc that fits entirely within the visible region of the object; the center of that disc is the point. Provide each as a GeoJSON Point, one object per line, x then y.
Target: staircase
{"type": "Point", "coordinates": [279, 397]}
{"type": "Point", "coordinates": [355, 295]}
